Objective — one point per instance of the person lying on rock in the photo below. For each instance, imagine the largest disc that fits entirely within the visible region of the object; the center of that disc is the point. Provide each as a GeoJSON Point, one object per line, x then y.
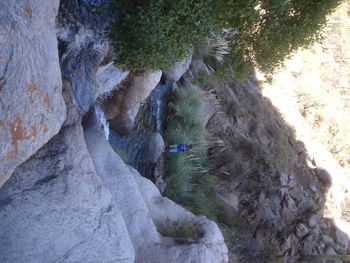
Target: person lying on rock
{"type": "Point", "coordinates": [175, 148]}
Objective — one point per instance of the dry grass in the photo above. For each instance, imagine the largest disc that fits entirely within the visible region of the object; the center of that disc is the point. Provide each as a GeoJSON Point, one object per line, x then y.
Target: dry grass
{"type": "Point", "coordinates": [313, 94]}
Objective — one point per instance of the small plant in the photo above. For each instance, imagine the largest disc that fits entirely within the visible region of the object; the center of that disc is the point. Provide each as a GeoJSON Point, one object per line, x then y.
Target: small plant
{"type": "Point", "coordinates": [203, 80]}
{"type": "Point", "coordinates": [181, 230]}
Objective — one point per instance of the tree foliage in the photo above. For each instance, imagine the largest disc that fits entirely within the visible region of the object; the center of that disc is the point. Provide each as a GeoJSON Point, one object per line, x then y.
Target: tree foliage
{"type": "Point", "coordinates": [265, 32]}
{"type": "Point", "coordinates": [152, 34]}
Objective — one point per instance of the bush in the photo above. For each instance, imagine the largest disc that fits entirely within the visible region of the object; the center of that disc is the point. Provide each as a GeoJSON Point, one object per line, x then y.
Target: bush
{"type": "Point", "coordinates": [268, 31]}
{"type": "Point", "coordinates": [153, 34]}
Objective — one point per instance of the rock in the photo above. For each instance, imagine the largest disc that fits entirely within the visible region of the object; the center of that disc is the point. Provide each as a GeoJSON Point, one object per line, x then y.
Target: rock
{"type": "Point", "coordinates": [144, 210]}
{"type": "Point", "coordinates": [329, 251]}
{"type": "Point", "coordinates": [124, 123]}
{"type": "Point", "coordinates": [324, 177]}
{"type": "Point", "coordinates": [56, 207]}
{"type": "Point", "coordinates": [313, 188]}
{"type": "Point", "coordinates": [174, 73]}
{"type": "Point", "coordinates": [82, 46]}
{"type": "Point", "coordinates": [134, 89]}
{"type": "Point", "coordinates": [108, 77]}
{"type": "Point", "coordinates": [342, 239]}
{"type": "Point", "coordinates": [210, 246]}
{"type": "Point", "coordinates": [161, 184]}
{"type": "Point", "coordinates": [140, 86]}
{"type": "Point", "coordinates": [327, 240]}
{"type": "Point", "coordinates": [289, 245]}
{"type": "Point", "coordinates": [301, 230]}
{"type": "Point", "coordinates": [289, 208]}
{"type": "Point", "coordinates": [314, 220]}
{"type": "Point", "coordinates": [155, 147]}
{"type": "Point", "coordinates": [32, 109]}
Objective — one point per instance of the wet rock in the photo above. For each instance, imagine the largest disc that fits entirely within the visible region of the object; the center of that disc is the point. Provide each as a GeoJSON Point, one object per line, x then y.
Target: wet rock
{"type": "Point", "coordinates": [174, 73]}
{"type": "Point", "coordinates": [155, 147]}
{"type": "Point", "coordinates": [32, 109]}
{"type": "Point", "coordinates": [301, 230]}
{"type": "Point", "coordinates": [124, 123]}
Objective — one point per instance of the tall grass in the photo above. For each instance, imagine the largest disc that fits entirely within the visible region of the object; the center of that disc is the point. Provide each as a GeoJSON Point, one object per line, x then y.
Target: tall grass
{"type": "Point", "coordinates": [189, 182]}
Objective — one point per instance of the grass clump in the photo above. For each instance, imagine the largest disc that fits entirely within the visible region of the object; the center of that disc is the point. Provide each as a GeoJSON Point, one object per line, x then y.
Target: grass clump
{"type": "Point", "coordinates": [180, 229]}
{"type": "Point", "coordinates": [189, 182]}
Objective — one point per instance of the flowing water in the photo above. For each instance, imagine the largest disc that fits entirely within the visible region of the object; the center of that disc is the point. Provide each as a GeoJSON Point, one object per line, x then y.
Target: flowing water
{"type": "Point", "coordinates": [150, 118]}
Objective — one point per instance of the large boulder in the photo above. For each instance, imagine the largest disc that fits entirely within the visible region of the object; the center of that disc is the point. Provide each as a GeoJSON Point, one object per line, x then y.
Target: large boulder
{"type": "Point", "coordinates": [134, 89]}
{"type": "Point", "coordinates": [31, 106]}
{"type": "Point", "coordinates": [174, 73]}
{"type": "Point", "coordinates": [124, 123]}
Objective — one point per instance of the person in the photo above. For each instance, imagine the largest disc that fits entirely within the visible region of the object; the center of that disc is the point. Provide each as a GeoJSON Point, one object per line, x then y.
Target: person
{"type": "Point", "coordinates": [180, 148]}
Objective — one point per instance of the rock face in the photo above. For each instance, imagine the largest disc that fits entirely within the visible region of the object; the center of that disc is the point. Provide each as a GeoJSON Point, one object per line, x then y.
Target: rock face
{"type": "Point", "coordinates": [130, 93]}
{"type": "Point", "coordinates": [144, 210]}
{"type": "Point", "coordinates": [56, 207]}
{"type": "Point", "coordinates": [174, 73]}
{"type": "Point", "coordinates": [155, 147]}
{"type": "Point", "coordinates": [31, 105]}
{"type": "Point", "coordinates": [265, 177]}
{"type": "Point", "coordinates": [75, 200]}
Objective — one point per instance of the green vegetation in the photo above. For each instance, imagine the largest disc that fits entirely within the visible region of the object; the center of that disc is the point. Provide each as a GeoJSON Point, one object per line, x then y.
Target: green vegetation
{"type": "Point", "coordinates": [153, 34]}
{"type": "Point", "coordinates": [180, 229]}
{"type": "Point", "coordinates": [189, 182]}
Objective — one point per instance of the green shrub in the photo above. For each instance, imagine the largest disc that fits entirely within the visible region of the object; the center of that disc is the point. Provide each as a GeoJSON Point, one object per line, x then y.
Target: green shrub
{"type": "Point", "coordinates": [268, 31]}
{"type": "Point", "coordinates": [153, 34]}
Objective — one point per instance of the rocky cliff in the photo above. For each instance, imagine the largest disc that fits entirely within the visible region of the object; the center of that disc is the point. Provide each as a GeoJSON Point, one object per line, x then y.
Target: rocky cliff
{"type": "Point", "coordinates": [65, 195]}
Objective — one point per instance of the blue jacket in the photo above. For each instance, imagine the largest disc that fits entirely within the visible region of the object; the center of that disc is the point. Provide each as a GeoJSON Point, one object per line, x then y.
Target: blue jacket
{"type": "Point", "coordinates": [182, 148]}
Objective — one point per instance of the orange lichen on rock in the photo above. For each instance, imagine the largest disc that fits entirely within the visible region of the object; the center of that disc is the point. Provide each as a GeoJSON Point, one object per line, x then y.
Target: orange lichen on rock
{"type": "Point", "coordinates": [31, 88]}
{"type": "Point", "coordinates": [28, 10]}
{"type": "Point", "coordinates": [47, 102]}
{"type": "Point", "coordinates": [19, 133]}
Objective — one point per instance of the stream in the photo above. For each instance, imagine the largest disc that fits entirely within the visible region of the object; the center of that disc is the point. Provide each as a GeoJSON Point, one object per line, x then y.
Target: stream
{"type": "Point", "coordinates": [150, 119]}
